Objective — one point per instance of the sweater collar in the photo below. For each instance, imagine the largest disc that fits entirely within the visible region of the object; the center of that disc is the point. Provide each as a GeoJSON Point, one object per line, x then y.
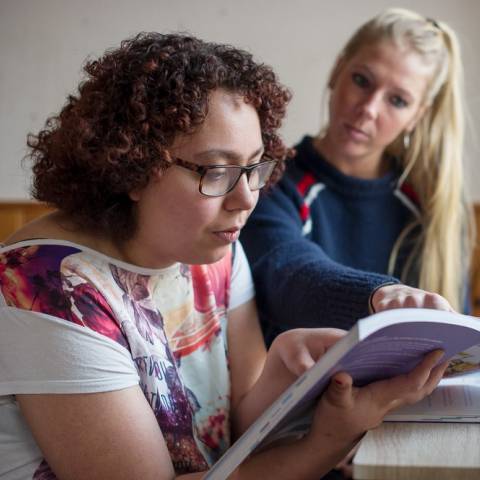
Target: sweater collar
{"type": "Point", "coordinates": [309, 159]}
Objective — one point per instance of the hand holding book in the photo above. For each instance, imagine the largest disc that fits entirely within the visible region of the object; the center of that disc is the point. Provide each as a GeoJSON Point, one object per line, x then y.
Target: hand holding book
{"type": "Point", "coordinates": [345, 411]}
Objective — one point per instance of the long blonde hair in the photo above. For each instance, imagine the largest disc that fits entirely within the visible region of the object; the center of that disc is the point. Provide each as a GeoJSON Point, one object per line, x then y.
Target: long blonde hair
{"type": "Point", "coordinates": [432, 161]}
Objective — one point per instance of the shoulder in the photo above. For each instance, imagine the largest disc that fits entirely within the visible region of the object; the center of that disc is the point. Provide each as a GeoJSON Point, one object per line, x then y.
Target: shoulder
{"type": "Point", "coordinates": [59, 279]}
{"type": "Point", "coordinates": [305, 172]}
{"type": "Point", "coordinates": [38, 228]}
{"type": "Point", "coordinates": [55, 225]}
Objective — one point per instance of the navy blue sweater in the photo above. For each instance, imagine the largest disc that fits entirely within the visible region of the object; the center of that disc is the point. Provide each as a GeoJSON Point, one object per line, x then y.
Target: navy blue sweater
{"type": "Point", "coordinates": [320, 241]}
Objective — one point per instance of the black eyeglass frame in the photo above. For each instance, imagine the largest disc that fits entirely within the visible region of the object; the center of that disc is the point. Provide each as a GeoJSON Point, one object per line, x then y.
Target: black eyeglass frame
{"type": "Point", "coordinates": [203, 169]}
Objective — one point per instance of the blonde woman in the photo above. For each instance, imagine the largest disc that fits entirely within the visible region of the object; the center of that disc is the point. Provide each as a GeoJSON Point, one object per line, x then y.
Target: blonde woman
{"type": "Point", "coordinates": [375, 202]}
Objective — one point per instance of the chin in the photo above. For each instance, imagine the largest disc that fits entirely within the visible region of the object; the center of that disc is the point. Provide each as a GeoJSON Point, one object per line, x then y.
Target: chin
{"type": "Point", "coordinates": [353, 150]}
{"type": "Point", "coordinates": [206, 258]}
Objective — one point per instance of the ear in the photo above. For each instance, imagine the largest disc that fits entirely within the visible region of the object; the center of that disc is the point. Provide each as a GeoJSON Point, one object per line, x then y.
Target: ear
{"type": "Point", "coordinates": [339, 64]}
{"type": "Point", "coordinates": [413, 122]}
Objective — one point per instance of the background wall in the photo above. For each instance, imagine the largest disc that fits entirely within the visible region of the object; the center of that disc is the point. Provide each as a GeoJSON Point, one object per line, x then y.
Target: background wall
{"type": "Point", "coordinates": [43, 44]}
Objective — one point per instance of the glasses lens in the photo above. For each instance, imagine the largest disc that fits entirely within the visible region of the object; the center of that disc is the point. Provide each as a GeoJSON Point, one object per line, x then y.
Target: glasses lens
{"type": "Point", "coordinates": [260, 174]}
{"type": "Point", "coordinates": [218, 180]}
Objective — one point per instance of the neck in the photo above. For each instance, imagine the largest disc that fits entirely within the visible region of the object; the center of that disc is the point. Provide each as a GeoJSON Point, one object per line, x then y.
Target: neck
{"type": "Point", "coordinates": [57, 226]}
{"type": "Point", "coordinates": [368, 166]}
{"type": "Point", "coordinates": [143, 252]}
{"type": "Point", "coordinates": [66, 229]}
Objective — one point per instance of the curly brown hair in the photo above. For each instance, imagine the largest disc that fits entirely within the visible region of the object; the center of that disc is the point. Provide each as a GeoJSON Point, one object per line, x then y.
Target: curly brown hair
{"type": "Point", "coordinates": [108, 139]}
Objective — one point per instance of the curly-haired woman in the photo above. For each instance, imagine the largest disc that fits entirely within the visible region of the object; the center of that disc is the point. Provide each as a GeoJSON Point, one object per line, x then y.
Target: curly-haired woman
{"type": "Point", "coordinates": [129, 341]}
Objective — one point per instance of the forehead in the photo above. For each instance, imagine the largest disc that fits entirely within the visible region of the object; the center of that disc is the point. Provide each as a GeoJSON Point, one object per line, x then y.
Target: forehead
{"type": "Point", "coordinates": [395, 66]}
{"type": "Point", "coordinates": [230, 124]}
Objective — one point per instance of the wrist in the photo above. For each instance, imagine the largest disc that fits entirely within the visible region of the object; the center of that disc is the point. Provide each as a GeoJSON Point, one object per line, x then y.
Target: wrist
{"type": "Point", "coordinates": [336, 447]}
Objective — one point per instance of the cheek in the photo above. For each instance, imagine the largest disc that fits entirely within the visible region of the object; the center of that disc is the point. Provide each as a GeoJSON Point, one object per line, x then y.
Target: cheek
{"type": "Point", "coordinates": [341, 101]}
{"type": "Point", "coordinates": [333, 104]}
{"type": "Point", "coordinates": [200, 212]}
{"type": "Point", "coordinates": [392, 127]}
{"type": "Point", "coordinates": [248, 212]}
{"type": "Point", "coordinates": [181, 211]}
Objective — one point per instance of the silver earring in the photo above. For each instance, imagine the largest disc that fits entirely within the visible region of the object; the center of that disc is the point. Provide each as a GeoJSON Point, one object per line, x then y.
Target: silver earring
{"type": "Point", "coordinates": [406, 140]}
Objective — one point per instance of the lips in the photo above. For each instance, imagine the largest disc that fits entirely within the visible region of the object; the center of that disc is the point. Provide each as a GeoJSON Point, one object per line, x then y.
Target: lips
{"type": "Point", "coordinates": [356, 133]}
{"type": "Point", "coordinates": [228, 235]}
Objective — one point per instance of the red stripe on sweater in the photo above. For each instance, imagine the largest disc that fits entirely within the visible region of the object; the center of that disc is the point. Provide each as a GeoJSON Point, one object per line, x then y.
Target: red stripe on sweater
{"type": "Point", "coordinates": [408, 190]}
{"type": "Point", "coordinates": [305, 183]}
{"type": "Point", "coordinates": [302, 186]}
{"type": "Point", "coordinates": [304, 212]}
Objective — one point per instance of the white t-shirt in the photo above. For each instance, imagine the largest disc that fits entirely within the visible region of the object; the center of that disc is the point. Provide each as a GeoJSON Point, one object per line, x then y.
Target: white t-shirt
{"type": "Point", "coordinates": [75, 321]}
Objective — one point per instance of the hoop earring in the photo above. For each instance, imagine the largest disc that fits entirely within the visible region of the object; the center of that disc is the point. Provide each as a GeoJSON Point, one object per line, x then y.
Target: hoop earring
{"type": "Point", "coordinates": [406, 140]}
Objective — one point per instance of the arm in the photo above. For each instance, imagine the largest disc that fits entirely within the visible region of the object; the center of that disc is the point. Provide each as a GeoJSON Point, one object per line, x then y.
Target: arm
{"type": "Point", "coordinates": [124, 442]}
{"type": "Point", "coordinates": [310, 288]}
{"type": "Point", "coordinates": [111, 435]}
{"type": "Point", "coordinates": [259, 378]}
{"type": "Point", "coordinates": [115, 435]}
{"type": "Point", "coordinates": [289, 356]}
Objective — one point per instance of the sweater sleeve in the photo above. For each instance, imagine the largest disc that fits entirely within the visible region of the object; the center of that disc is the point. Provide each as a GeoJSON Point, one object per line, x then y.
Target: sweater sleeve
{"type": "Point", "coordinates": [297, 284]}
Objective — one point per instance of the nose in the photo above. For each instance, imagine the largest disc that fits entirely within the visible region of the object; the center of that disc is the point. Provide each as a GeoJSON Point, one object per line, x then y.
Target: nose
{"type": "Point", "coordinates": [241, 197]}
{"type": "Point", "coordinates": [370, 105]}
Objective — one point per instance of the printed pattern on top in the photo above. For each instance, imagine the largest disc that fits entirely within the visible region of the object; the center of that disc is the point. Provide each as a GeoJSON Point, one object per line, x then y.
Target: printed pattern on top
{"type": "Point", "coordinates": [172, 321]}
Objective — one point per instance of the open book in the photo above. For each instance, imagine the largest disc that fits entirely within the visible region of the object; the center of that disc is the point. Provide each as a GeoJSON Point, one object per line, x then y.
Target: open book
{"type": "Point", "coordinates": [380, 346]}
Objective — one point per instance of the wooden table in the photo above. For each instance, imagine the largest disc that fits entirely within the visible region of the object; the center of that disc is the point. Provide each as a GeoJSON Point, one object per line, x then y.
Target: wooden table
{"type": "Point", "coordinates": [419, 451]}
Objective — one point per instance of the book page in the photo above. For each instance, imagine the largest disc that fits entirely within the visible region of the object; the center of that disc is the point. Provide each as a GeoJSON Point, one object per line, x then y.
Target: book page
{"type": "Point", "coordinates": [455, 400]}
{"type": "Point", "coordinates": [467, 361]}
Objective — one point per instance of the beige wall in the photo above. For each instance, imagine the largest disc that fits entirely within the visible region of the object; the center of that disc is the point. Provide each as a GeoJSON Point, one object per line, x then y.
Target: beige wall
{"type": "Point", "coordinates": [44, 42]}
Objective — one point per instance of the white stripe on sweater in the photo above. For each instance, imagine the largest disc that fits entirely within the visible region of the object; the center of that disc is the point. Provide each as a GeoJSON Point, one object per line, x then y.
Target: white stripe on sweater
{"type": "Point", "coordinates": [407, 202]}
{"type": "Point", "coordinates": [312, 194]}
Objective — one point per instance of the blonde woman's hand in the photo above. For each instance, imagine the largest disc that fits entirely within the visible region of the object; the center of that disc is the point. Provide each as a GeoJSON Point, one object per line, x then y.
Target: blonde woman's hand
{"type": "Point", "coordinates": [403, 296]}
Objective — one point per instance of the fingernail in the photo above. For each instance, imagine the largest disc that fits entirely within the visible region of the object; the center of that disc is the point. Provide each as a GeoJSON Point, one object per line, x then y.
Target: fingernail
{"type": "Point", "coordinates": [438, 354]}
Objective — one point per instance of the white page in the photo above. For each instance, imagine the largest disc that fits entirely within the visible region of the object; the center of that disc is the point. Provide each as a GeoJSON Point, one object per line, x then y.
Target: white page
{"type": "Point", "coordinates": [456, 399]}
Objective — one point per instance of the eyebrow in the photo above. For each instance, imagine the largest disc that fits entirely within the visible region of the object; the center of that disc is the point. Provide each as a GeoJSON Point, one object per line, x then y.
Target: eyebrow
{"type": "Point", "coordinates": [229, 155]}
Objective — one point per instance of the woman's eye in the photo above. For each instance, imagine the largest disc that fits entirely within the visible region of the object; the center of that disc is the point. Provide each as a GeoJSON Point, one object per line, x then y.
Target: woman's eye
{"type": "Point", "coordinates": [360, 80]}
{"type": "Point", "coordinates": [216, 174]}
{"type": "Point", "coordinates": [398, 102]}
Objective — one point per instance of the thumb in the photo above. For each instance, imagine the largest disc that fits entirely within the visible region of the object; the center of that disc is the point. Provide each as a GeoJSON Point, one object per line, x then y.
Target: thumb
{"type": "Point", "coordinates": [339, 392]}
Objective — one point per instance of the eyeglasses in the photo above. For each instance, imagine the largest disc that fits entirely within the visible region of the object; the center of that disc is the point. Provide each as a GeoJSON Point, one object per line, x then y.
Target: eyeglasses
{"type": "Point", "coordinates": [218, 180]}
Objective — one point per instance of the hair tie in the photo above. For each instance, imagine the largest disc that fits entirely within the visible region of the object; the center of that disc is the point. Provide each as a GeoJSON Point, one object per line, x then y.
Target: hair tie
{"type": "Point", "coordinates": [433, 22]}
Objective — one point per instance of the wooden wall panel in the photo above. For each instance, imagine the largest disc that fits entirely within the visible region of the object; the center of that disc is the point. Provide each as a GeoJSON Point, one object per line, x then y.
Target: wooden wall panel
{"type": "Point", "coordinates": [15, 214]}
